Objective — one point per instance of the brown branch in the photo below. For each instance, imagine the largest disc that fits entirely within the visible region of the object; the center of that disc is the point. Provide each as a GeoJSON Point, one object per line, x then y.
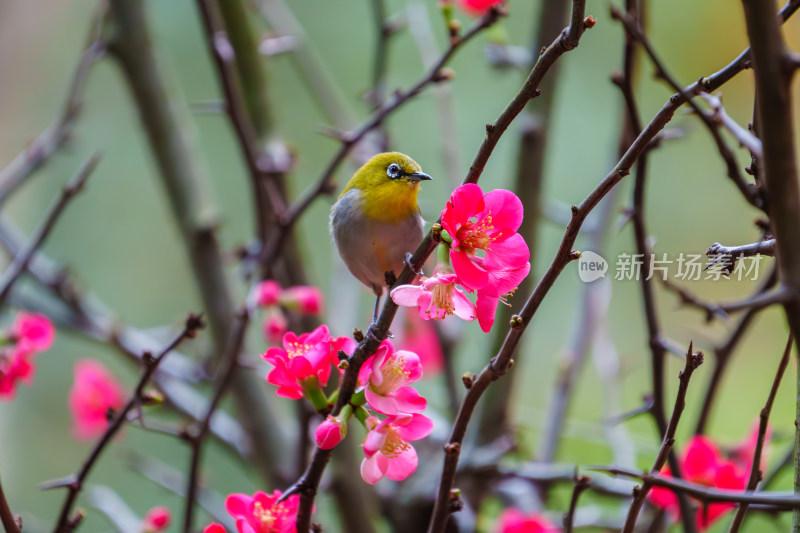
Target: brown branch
{"type": "Point", "coordinates": [48, 142]}
{"type": "Point", "coordinates": [693, 360]}
{"type": "Point", "coordinates": [11, 522]}
{"type": "Point", "coordinates": [581, 484]}
{"type": "Point", "coordinates": [706, 494]}
{"type": "Point", "coordinates": [745, 138]}
{"type": "Point", "coordinates": [724, 352]}
{"type": "Point", "coordinates": [23, 257]}
{"type": "Point", "coordinates": [197, 436]}
{"type": "Point", "coordinates": [755, 470]}
{"type": "Point", "coordinates": [74, 485]}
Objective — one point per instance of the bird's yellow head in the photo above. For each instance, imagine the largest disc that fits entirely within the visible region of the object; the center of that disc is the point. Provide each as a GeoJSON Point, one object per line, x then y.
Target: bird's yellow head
{"type": "Point", "coordinates": [389, 183]}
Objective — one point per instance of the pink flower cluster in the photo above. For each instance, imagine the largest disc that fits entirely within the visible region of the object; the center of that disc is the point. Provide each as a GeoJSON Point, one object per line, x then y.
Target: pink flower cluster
{"type": "Point", "coordinates": [304, 363]}
{"type": "Point", "coordinates": [475, 7]}
{"type": "Point", "coordinates": [260, 513]}
{"type": "Point", "coordinates": [30, 334]}
{"type": "Point", "coordinates": [703, 463]}
{"type": "Point", "coordinates": [275, 300]}
{"type": "Point", "coordinates": [94, 393]}
{"type": "Point", "coordinates": [487, 254]}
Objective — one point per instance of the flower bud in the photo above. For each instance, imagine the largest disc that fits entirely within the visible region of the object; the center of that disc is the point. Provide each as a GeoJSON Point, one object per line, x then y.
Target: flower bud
{"type": "Point", "coordinates": [275, 326]}
{"type": "Point", "coordinates": [269, 293]}
{"type": "Point", "coordinates": [156, 520]}
{"type": "Point", "coordinates": [305, 299]}
{"type": "Point", "coordinates": [330, 432]}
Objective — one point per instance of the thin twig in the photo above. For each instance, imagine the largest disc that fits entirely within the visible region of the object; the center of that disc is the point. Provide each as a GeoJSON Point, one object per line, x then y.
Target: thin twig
{"type": "Point", "coordinates": [7, 518]}
{"type": "Point", "coordinates": [65, 524]}
{"type": "Point", "coordinates": [198, 435]}
{"type": "Point", "coordinates": [745, 138]}
{"type": "Point", "coordinates": [21, 259]}
{"type": "Point", "coordinates": [755, 470]}
{"type": "Point", "coordinates": [693, 360]}
{"type": "Point", "coordinates": [581, 484]}
{"type": "Point", "coordinates": [48, 142]}
{"type": "Point", "coordinates": [704, 493]}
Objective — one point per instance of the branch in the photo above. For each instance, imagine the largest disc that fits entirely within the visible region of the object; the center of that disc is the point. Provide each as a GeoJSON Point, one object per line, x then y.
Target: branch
{"type": "Point", "coordinates": [745, 138]}
{"type": "Point", "coordinates": [74, 485]}
{"type": "Point", "coordinates": [581, 484]}
{"type": "Point", "coordinates": [197, 437]}
{"type": "Point", "coordinates": [21, 259]}
{"type": "Point", "coordinates": [755, 470]}
{"type": "Point", "coordinates": [705, 494]}
{"type": "Point", "coordinates": [49, 141]}
{"type": "Point", "coordinates": [11, 522]}
{"type": "Point", "coordinates": [693, 360]}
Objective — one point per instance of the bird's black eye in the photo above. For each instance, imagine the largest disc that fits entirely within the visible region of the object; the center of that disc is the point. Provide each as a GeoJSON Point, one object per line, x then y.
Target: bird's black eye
{"type": "Point", "coordinates": [394, 171]}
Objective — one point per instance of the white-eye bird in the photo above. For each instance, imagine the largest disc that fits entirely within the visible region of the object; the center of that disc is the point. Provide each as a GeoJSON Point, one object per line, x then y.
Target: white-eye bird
{"type": "Point", "coordinates": [376, 220]}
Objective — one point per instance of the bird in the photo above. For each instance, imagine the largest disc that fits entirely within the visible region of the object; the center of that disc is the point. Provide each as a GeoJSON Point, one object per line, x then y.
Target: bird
{"type": "Point", "coordinates": [376, 221]}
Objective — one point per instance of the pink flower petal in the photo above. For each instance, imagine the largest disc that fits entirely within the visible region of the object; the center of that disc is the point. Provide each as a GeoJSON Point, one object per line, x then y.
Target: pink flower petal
{"type": "Point", "coordinates": [504, 207]}
{"type": "Point", "coordinates": [414, 427]}
{"type": "Point", "coordinates": [402, 466]}
{"type": "Point", "coordinates": [407, 295]}
{"type": "Point", "coordinates": [486, 308]}
{"type": "Point", "coordinates": [469, 273]}
{"type": "Point", "coordinates": [463, 308]}
{"type": "Point", "coordinates": [512, 252]}
{"type": "Point", "coordinates": [372, 468]}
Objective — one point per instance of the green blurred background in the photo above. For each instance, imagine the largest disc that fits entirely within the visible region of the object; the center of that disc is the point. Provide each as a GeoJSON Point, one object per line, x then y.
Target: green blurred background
{"type": "Point", "coordinates": [120, 240]}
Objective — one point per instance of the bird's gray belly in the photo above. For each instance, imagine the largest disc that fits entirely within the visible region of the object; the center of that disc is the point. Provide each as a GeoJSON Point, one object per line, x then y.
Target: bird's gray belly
{"type": "Point", "coordinates": [370, 248]}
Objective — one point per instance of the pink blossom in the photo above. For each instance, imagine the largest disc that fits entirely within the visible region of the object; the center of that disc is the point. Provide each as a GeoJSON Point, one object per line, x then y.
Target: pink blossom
{"type": "Point", "coordinates": [330, 432]}
{"type": "Point", "coordinates": [16, 364]}
{"type": "Point", "coordinates": [262, 513]}
{"type": "Point", "coordinates": [306, 299]}
{"type": "Point", "coordinates": [157, 519]}
{"type": "Point", "coordinates": [33, 329]}
{"type": "Point", "coordinates": [93, 393]}
{"type": "Point", "coordinates": [304, 361]}
{"type": "Point", "coordinates": [269, 293]}
{"type": "Point", "coordinates": [388, 389]}
{"type": "Point", "coordinates": [213, 527]}
{"type": "Point", "coordinates": [703, 464]}
{"type": "Point", "coordinates": [477, 7]}
{"type": "Point", "coordinates": [513, 520]}
{"type": "Point", "coordinates": [419, 336]}
{"type": "Point", "coordinates": [436, 297]}
{"type": "Point", "coordinates": [502, 284]}
{"type": "Point", "coordinates": [275, 325]}
{"type": "Point", "coordinates": [386, 448]}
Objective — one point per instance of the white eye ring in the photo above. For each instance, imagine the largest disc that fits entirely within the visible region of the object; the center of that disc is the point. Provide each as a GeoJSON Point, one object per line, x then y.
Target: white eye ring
{"type": "Point", "coordinates": [393, 171]}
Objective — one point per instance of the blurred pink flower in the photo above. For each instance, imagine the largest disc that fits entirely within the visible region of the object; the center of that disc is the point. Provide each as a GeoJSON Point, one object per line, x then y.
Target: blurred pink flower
{"type": "Point", "coordinates": [213, 527]}
{"type": "Point", "coordinates": [330, 432]}
{"type": "Point", "coordinates": [702, 463]}
{"type": "Point", "coordinates": [304, 361]}
{"type": "Point", "coordinates": [16, 364]}
{"type": "Point", "coordinates": [513, 520]}
{"type": "Point", "coordinates": [388, 389]}
{"type": "Point", "coordinates": [305, 299]}
{"type": "Point", "coordinates": [386, 448]}
{"type": "Point", "coordinates": [261, 513]}
{"type": "Point", "coordinates": [33, 329]}
{"type": "Point", "coordinates": [93, 393]}
{"type": "Point", "coordinates": [477, 7]}
{"type": "Point", "coordinates": [156, 520]}
{"type": "Point", "coordinates": [269, 293]}
{"type": "Point", "coordinates": [436, 297]}
{"type": "Point", "coordinates": [275, 325]}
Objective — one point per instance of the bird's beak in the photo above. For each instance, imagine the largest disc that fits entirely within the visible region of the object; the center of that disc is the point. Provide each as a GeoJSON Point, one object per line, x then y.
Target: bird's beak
{"type": "Point", "coordinates": [419, 176]}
